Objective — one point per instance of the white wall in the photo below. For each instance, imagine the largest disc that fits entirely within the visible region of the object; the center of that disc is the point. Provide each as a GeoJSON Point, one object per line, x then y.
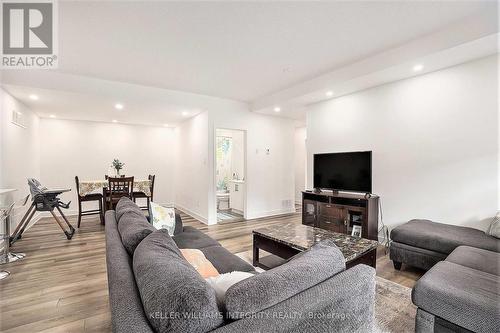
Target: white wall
{"type": "Point", "coordinates": [19, 150]}
{"type": "Point", "coordinates": [55, 150]}
{"type": "Point", "coordinates": [498, 132]}
{"type": "Point", "coordinates": [434, 140]}
{"type": "Point", "coordinates": [191, 166]}
{"type": "Point", "coordinates": [300, 162]}
{"type": "Point", "coordinates": [269, 178]}
{"type": "Point", "coordinates": [86, 149]}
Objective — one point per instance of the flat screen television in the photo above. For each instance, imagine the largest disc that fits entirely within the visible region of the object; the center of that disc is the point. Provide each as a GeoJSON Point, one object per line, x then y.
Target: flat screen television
{"type": "Point", "coordinates": [344, 171]}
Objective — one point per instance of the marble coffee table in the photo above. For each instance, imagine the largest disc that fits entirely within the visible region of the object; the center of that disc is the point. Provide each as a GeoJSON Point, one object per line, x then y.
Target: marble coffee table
{"type": "Point", "coordinates": [286, 240]}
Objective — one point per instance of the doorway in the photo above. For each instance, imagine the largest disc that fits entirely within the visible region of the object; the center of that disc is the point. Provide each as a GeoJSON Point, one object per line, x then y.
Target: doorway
{"type": "Point", "coordinates": [230, 180]}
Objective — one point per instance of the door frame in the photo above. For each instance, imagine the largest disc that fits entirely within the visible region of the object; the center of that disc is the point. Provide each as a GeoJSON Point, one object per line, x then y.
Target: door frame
{"type": "Point", "coordinates": [245, 166]}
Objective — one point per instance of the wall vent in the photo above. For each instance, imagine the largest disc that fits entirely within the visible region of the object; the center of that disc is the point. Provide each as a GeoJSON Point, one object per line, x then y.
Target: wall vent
{"type": "Point", "coordinates": [18, 119]}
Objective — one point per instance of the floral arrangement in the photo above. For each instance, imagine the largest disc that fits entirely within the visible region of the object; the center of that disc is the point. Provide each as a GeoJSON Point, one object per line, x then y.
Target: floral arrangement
{"type": "Point", "coordinates": [117, 165]}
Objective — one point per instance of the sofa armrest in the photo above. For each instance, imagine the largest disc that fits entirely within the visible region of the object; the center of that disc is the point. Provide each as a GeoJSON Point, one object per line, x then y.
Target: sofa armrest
{"type": "Point", "coordinates": [127, 313]}
{"type": "Point", "coordinates": [304, 270]}
{"type": "Point", "coordinates": [178, 224]}
{"type": "Point", "coordinates": [342, 303]}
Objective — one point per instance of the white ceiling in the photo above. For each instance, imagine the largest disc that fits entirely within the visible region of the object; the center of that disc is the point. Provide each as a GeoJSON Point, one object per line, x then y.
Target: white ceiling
{"type": "Point", "coordinates": [98, 107]}
{"type": "Point", "coordinates": [83, 98]}
{"type": "Point", "coordinates": [250, 51]}
{"type": "Point", "coordinates": [237, 50]}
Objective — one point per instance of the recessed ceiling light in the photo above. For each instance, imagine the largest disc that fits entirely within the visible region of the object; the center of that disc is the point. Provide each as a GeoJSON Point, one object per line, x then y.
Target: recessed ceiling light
{"type": "Point", "coordinates": [277, 109]}
{"type": "Point", "coordinates": [114, 120]}
{"type": "Point", "coordinates": [329, 93]}
{"type": "Point", "coordinates": [52, 116]}
{"type": "Point", "coordinates": [119, 106]}
{"type": "Point", "coordinates": [165, 125]}
{"type": "Point", "coordinates": [185, 113]}
{"type": "Point", "coordinates": [418, 68]}
{"type": "Point", "coordinates": [34, 97]}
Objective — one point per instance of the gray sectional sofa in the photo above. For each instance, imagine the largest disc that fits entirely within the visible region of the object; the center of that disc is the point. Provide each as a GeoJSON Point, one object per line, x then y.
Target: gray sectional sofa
{"type": "Point", "coordinates": [461, 290]}
{"type": "Point", "coordinates": [423, 243]}
{"type": "Point", "coordinates": [460, 294]}
{"type": "Point", "coordinates": [147, 276]}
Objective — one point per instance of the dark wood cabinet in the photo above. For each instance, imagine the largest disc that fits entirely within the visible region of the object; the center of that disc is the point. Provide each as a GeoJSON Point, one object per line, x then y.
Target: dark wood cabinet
{"type": "Point", "coordinates": [341, 212]}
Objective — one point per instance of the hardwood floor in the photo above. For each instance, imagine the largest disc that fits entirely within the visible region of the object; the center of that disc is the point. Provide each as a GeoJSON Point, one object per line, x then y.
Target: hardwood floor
{"type": "Point", "coordinates": [61, 286]}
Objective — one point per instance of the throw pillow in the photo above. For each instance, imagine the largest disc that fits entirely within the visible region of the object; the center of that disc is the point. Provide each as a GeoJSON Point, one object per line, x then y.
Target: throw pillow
{"type": "Point", "coordinates": [162, 217]}
{"type": "Point", "coordinates": [494, 229]}
{"type": "Point", "coordinates": [222, 282]}
{"type": "Point", "coordinates": [198, 260]}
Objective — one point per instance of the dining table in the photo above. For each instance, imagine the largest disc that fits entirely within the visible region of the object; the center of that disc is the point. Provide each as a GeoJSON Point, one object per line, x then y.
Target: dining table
{"type": "Point", "coordinates": [97, 186]}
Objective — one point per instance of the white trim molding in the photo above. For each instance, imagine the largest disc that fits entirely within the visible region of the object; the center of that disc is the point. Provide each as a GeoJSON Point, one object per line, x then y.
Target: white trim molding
{"type": "Point", "coordinates": [193, 214]}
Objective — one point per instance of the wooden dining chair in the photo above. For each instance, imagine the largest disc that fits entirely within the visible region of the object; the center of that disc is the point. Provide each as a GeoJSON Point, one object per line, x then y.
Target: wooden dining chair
{"type": "Point", "coordinates": [142, 195]}
{"type": "Point", "coordinates": [87, 198]}
{"type": "Point", "coordinates": [118, 187]}
{"type": "Point", "coordinates": [106, 176]}
{"type": "Point", "coordinates": [105, 191]}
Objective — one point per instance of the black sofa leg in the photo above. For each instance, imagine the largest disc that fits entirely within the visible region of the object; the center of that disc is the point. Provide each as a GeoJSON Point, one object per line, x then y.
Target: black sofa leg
{"type": "Point", "coordinates": [397, 265]}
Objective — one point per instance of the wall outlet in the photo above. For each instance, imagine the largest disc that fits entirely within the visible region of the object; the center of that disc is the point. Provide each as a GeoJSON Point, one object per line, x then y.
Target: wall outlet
{"type": "Point", "coordinates": [286, 203]}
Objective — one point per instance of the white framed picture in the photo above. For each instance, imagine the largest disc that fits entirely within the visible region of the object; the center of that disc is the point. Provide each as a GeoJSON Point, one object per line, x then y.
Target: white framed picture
{"type": "Point", "coordinates": [356, 231]}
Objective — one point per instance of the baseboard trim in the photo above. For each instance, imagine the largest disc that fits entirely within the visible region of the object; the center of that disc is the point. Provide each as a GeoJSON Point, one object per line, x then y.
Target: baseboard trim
{"type": "Point", "coordinates": [271, 213]}
{"type": "Point", "coordinates": [36, 217]}
{"type": "Point", "coordinates": [237, 211]}
{"type": "Point", "coordinates": [19, 214]}
{"type": "Point", "coordinates": [191, 213]}
{"type": "Point", "coordinates": [66, 212]}
{"type": "Point", "coordinates": [40, 215]}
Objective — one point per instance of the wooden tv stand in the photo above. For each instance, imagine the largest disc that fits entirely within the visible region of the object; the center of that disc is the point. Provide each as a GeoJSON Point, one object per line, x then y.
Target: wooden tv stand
{"type": "Point", "coordinates": [339, 212]}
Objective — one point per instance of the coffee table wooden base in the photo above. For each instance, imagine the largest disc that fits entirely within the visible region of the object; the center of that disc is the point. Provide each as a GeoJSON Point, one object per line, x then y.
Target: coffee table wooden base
{"type": "Point", "coordinates": [281, 252]}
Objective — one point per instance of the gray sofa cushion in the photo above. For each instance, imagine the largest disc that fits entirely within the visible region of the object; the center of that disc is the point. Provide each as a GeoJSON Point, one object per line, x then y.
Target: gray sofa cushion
{"type": "Point", "coordinates": [133, 229]}
{"type": "Point", "coordinates": [192, 238]}
{"type": "Point", "coordinates": [125, 205]}
{"type": "Point", "coordinates": [171, 288]}
{"type": "Point", "coordinates": [301, 272]}
{"type": "Point", "coordinates": [461, 295]}
{"type": "Point", "coordinates": [224, 261]}
{"type": "Point", "coordinates": [443, 238]}
{"type": "Point", "coordinates": [482, 260]}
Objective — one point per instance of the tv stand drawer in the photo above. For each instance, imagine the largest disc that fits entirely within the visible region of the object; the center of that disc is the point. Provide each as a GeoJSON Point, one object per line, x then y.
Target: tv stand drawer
{"type": "Point", "coordinates": [328, 223]}
{"type": "Point", "coordinates": [331, 210]}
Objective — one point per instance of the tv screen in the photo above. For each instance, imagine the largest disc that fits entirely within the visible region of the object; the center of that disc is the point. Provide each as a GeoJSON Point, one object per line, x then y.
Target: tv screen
{"type": "Point", "coordinates": [344, 171]}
